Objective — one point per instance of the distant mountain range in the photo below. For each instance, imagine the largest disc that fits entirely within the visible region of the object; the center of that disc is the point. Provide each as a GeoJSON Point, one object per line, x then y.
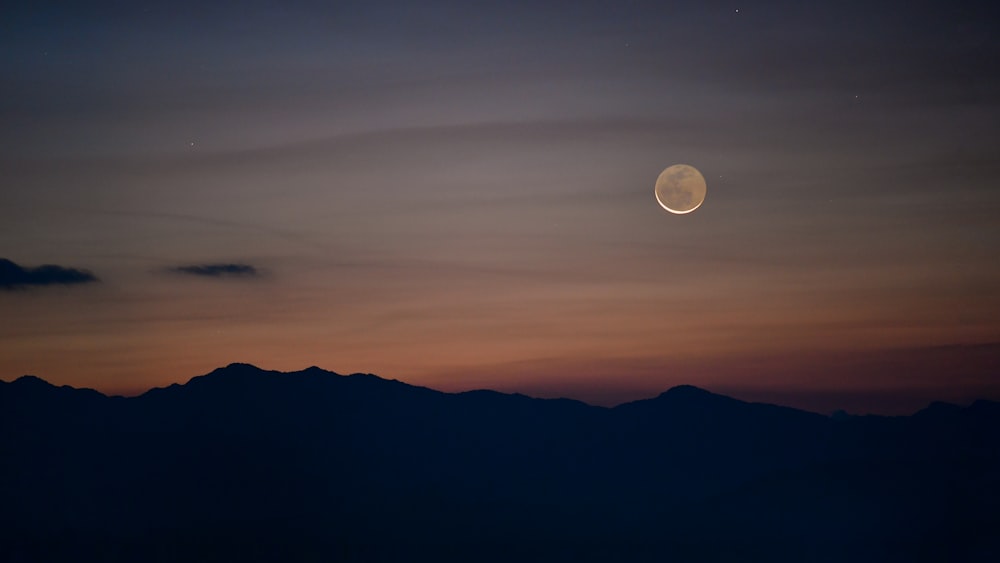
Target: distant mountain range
{"type": "Point", "coordinates": [244, 464]}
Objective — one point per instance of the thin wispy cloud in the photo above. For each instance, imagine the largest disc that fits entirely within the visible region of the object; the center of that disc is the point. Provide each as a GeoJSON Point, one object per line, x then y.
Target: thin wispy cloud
{"type": "Point", "coordinates": [218, 270]}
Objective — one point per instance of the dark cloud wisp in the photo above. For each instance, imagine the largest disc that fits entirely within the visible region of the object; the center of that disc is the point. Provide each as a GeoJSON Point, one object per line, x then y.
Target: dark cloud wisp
{"type": "Point", "coordinates": [14, 276]}
{"type": "Point", "coordinates": [218, 270]}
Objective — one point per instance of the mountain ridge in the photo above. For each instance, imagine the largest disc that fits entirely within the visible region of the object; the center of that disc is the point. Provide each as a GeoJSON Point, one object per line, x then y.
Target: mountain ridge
{"type": "Point", "coordinates": [257, 465]}
{"type": "Point", "coordinates": [677, 393]}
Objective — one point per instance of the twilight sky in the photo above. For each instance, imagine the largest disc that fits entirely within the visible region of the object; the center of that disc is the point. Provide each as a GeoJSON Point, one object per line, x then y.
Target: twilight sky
{"type": "Point", "coordinates": [460, 195]}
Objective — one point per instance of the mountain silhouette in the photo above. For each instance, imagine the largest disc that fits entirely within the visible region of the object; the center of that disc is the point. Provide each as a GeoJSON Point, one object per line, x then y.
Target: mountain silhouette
{"type": "Point", "coordinates": [253, 465]}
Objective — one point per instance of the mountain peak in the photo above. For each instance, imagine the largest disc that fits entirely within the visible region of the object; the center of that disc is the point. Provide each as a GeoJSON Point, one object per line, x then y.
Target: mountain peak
{"type": "Point", "coordinates": [235, 369]}
{"type": "Point", "coordinates": [939, 408]}
{"type": "Point", "coordinates": [682, 398]}
{"type": "Point", "coordinates": [31, 381]}
{"type": "Point", "coordinates": [233, 374]}
{"type": "Point", "coordinates": [687, 391]}
{"type": "Point", "coordinates": [691, 395]}
{"type": "Point", "coordinates": [31, 385]}
{"type": "Point", "coordinates": [239, 366]}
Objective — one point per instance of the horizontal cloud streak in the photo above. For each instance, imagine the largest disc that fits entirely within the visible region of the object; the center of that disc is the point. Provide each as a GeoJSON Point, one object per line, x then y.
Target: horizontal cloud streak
{"type": "Point", "coordinates": [218, 270]}
{"type": "Point", "coordinates": [14, 276]}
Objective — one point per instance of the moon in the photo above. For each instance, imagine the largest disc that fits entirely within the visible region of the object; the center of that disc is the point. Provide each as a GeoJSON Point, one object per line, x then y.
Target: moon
{"type": "Point", "coordinates": [680, 189]}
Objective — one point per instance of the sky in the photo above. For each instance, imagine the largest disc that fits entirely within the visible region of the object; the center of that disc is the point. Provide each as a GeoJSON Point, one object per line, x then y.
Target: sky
{"type": "Point", "coordinates": [460, 195]}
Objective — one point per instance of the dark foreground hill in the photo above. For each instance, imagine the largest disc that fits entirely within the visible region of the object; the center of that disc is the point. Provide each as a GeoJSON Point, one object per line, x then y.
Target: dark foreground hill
{"type": "Point", "coordinates": [251, 465]}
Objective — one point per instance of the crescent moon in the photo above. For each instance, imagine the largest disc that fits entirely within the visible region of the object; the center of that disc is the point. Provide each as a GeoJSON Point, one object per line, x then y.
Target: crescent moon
{"type": "Point", "coordinates": [680, 189]}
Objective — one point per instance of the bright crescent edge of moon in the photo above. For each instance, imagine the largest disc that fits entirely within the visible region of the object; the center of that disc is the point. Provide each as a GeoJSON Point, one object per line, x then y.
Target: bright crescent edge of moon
{"type": "Point", "coordinates": [681, 212]}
